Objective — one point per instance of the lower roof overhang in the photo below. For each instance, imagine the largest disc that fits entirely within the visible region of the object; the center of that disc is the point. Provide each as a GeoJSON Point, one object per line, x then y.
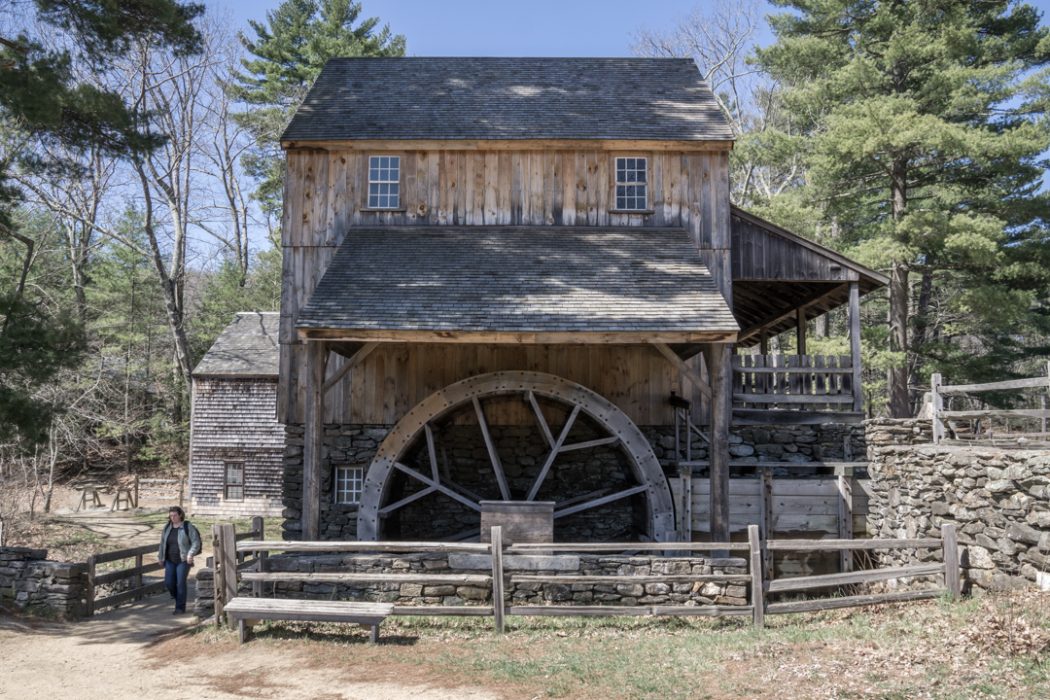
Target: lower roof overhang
{"type": "Point", "coordinates": [518, 284]}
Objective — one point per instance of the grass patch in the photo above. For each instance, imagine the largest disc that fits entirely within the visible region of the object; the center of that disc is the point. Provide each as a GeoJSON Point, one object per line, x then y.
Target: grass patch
{"type": "Point", "coordinates": [991, 647]}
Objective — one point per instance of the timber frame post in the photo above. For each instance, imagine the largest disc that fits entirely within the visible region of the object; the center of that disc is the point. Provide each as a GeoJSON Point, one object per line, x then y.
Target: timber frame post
{"type": "Point", "coordinates": [720, 372]}
{"type": "Point", "coordinates": [854, 345]}
{"type": "Point", "coordinates": [313, 439]}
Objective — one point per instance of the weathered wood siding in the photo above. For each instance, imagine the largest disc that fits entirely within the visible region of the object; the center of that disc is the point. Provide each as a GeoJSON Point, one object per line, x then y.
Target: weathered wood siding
{"type": "Point", "coordinates": [325, 195]}
{"type": "Point", "coordinates": [762, 255]}
{"type": "Point", "coordinates": [234, 420]}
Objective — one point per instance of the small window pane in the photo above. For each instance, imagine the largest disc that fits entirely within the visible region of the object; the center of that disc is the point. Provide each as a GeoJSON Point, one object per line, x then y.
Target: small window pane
{"type": "Point", "coordinates": [631, 190]}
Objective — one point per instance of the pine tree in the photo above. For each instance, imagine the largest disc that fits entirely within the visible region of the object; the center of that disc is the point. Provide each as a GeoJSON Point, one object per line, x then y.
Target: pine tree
{"type": "Point", "coordinates": [929, 122]}
{"type": "Point", "coordinates": [289, 51]}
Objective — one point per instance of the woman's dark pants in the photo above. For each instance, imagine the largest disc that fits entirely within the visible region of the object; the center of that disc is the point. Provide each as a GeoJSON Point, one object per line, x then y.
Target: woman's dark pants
{"type": "Point", "coordinates": [175, 580]}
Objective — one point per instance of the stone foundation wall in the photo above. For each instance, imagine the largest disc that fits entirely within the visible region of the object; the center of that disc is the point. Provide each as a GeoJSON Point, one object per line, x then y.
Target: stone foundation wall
{"type": "Point", "coordinates": [575, 473]}
{"type": "Point", "coordinates": [999, 499]}
{"type": "Point", "coordinates": [31, 583]}
{"type": "Point", "coordinates": [705, 593]}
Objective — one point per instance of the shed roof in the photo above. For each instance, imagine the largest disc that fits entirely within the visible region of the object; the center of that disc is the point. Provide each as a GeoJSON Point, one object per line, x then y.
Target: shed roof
{"type": "Point", "coordinates": [245, 348]}
{"type": "Point", "coordinates": [509, 98]}
{"type": "Point", "coordinates": [522, 280]}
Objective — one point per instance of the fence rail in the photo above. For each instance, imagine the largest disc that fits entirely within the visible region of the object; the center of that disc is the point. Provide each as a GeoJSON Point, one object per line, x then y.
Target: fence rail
{"type": "Point", "coordinates": [942, 418]}
{"type": "Point", "coordinates": [759, 578]}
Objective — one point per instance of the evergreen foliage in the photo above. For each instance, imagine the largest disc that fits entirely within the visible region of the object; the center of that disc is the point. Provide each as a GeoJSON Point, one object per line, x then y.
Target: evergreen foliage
{"type": "Point", "coordinates": [288, 52]}
{"type": "Point", "coordinates": [926, 124]}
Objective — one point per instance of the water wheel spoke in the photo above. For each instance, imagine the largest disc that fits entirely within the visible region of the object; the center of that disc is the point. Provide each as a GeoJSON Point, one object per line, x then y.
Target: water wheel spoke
{"type": "Point", "coordinates": [544, 428]}
{"type": "Point", "coordinates": [601, 501]}
{"type": "Point", "coordinates": [437, 486]}
{"type": "Point", "coordinates": [497, 466]}
{"type": "Point", "coordinates": [555, 449]}
{"type": "Point", "coordinates": [431, 452]}
{"type": "Point", "coordinates": [386, 510]}
{"type": "Point", "coordinates": [590, 443]}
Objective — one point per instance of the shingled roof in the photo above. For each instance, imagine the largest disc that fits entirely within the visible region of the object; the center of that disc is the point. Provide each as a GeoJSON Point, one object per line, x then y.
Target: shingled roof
{"type": "Point", "coordinates": [245, 348]}
{"type": "Point", "coordinates": [509, 98]}
{"type": "Point", "coordinates": [518, 280]}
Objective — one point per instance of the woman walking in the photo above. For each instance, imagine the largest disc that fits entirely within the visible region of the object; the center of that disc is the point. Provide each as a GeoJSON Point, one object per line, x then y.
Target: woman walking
{"type": "Point", "coordinates": [179, 542]}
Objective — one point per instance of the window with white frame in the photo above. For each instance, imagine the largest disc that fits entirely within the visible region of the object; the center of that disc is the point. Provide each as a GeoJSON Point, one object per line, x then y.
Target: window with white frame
{"type": "Point", "coordinates": [384, 182]}
{"type": "Point", "coordinates": [631, 184]}
{"type": "Point", "coordinates": [234, 480]}
{"type": "Point", "coordinates": [349, 482]}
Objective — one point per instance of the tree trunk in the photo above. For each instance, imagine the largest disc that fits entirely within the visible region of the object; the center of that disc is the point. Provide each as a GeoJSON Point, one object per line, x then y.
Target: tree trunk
{"type": "Point", "coordinates": [899, 405]}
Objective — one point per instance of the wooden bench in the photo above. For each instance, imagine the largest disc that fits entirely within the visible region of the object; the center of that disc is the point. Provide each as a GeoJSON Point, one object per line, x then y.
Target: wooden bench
{"type": "Point", "coordinates": [249, 611]}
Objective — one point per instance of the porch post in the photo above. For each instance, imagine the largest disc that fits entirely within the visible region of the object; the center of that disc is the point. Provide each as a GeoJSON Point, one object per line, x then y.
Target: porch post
{"type": "Point", "coordinates": [313, 438]}
{"type": "Point", "coordinates": [800, 330]}
{"type": "Point", "coordinates": [720, 371]}
{"type": "Point", "coordinates": [854, 345]}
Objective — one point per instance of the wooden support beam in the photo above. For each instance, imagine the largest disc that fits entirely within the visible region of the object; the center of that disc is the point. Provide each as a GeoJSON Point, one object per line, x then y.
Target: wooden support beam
{"type": "Point", "coordinates": [686, 371]}
{"type": "Point", "coordinates": [350, 363]}
{"type": "Point", "coordinates": [720, 371]}
{"type": "Point", "coordinates": [950, 549]}
{"type": "Point", "coordinates": [845, 512]}
{"type": "Point", "coordinates": [313, 439]}
{"type": "Point", "coordinates": [758, 603]}
{"type": "Point", "coordinates": [854, 345]}
{"type": "Point", "coordinates": [498, 609]}
{"type": "Point", "coordinates": [800, 331]}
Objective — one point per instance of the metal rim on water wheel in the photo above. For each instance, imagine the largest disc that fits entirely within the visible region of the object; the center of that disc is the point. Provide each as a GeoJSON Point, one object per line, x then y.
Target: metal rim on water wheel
{"type": "Point", "coordinates": [417, 424]}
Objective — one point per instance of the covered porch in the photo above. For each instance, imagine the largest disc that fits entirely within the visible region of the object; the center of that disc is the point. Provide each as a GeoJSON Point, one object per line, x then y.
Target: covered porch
{"type": "Point", "coordinates": [782, 283]}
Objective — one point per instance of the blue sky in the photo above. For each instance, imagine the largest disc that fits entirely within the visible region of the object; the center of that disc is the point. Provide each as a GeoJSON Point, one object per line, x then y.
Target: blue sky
{"type": "Point", "coordinates": [516, 27]}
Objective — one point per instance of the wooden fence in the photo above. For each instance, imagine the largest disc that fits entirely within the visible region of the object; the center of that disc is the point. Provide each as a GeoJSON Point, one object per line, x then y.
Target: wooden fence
{"type": "Point", "coordinates": [129, 581]}
{"type": "Point", "coordinates": [942, 418]}
{"type": "Point", "coordinates": [760, 581]}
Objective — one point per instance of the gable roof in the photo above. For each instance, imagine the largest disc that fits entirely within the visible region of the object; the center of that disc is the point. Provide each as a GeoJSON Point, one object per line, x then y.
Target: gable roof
{"type": "Point", "coordinates": [509, 98]}
{"type": "Point", "coordinates": [523, 282]}
{"type": "Point", "coordinates": [245, 348]}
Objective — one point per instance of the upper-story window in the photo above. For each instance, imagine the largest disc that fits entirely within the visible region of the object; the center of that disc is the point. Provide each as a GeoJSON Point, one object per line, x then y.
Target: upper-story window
{"type": "Point", "coordinates": [632, 190]}
{"type": "Point", "coordinates": [384, 182]}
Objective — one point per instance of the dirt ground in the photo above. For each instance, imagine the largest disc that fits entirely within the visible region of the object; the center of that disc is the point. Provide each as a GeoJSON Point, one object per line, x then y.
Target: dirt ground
{"type": "Point", "coordinates": [143, 651]}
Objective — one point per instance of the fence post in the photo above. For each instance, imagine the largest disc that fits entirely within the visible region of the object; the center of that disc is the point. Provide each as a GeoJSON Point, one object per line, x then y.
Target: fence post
{"type": "Point", "coordinates": [950, 544]}
{"type": "Point", "coordinates": [496, 546]}
{"type": "Point", "coordinates": [218, 585]}
{"type": "Point", "coordinates": [765, 522]}
{"type": "Point", "coordinates": [137, 580]}
{"type": "Point", "coordinates": [758, 602]}
{"type": "Point", "coordinates": [258, 533]}
{"type": "Point", "coordinates": [136, 503]}
{"type": "Point", "coordinates": [936, 406]}
{"type": "Point", "coordinates": [182, 490]}
{"type": "Point", "coordinates": [89, 596]}
{"type": "Point", "coordinates": [845, 508]}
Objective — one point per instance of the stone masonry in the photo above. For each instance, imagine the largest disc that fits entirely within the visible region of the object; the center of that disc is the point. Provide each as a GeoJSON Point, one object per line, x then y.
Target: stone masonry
{"type": "Point", "coordinates": [694, 593]}
{"type": "Point", "coordinates": [999, 499]}
{"type": "Point", "coordinates": [31, 583]}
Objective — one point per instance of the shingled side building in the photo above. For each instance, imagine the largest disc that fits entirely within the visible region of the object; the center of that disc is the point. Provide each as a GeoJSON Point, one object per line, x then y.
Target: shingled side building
{"type": "Point", "coordinates": [506, 279]}
{"type": "Point", "coordinates": [236, 441]}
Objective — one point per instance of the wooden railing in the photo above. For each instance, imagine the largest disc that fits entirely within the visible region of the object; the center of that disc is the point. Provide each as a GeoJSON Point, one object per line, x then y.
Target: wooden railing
{"type": "Point", "coordinates": [759, 577]}
{"type": "Point", "coordinates": [814, 382]}
{"type": "Point", "coordinates": [943, 418]}
{"type": "Point", "coordinates": [137, 588]}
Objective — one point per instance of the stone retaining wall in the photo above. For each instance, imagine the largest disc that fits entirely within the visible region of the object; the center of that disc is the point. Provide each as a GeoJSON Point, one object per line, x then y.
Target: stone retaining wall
{"type": "Point", "coordinates": [31, 583]}
{"type": "Point", "coordinates": [698, 593]}
{"type": "Point", "coordinates": [999, 499]}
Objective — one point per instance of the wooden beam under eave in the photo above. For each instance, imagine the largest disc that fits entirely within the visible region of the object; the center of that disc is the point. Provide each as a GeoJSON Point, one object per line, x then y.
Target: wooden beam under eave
{"type": "Point", "coordinates": [507, 145]}
{"type": "Point", "coordinates": [721, 372]}
{"type": "Point", "coordinates": [519, 337]}
{"type": "Point", "coordinates": [685, 370]}
{"type": "Point", "coordinates": [746, 333]}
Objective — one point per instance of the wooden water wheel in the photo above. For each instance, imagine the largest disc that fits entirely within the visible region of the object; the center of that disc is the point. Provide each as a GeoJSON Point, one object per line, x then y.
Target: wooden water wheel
{"type": "Point", "coordinates": [411, 466]}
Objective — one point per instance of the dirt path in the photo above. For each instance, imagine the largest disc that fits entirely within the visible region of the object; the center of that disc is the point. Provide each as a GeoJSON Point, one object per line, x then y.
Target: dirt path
{"type": "Point", "coordinates": [143, 651]}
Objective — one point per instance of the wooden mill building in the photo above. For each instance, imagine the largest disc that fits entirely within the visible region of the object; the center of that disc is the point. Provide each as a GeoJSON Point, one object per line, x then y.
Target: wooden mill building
{"type": "Point", "coordinates": [521, 280]}
{"type": "Point", "coordinates": [236, 441]}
